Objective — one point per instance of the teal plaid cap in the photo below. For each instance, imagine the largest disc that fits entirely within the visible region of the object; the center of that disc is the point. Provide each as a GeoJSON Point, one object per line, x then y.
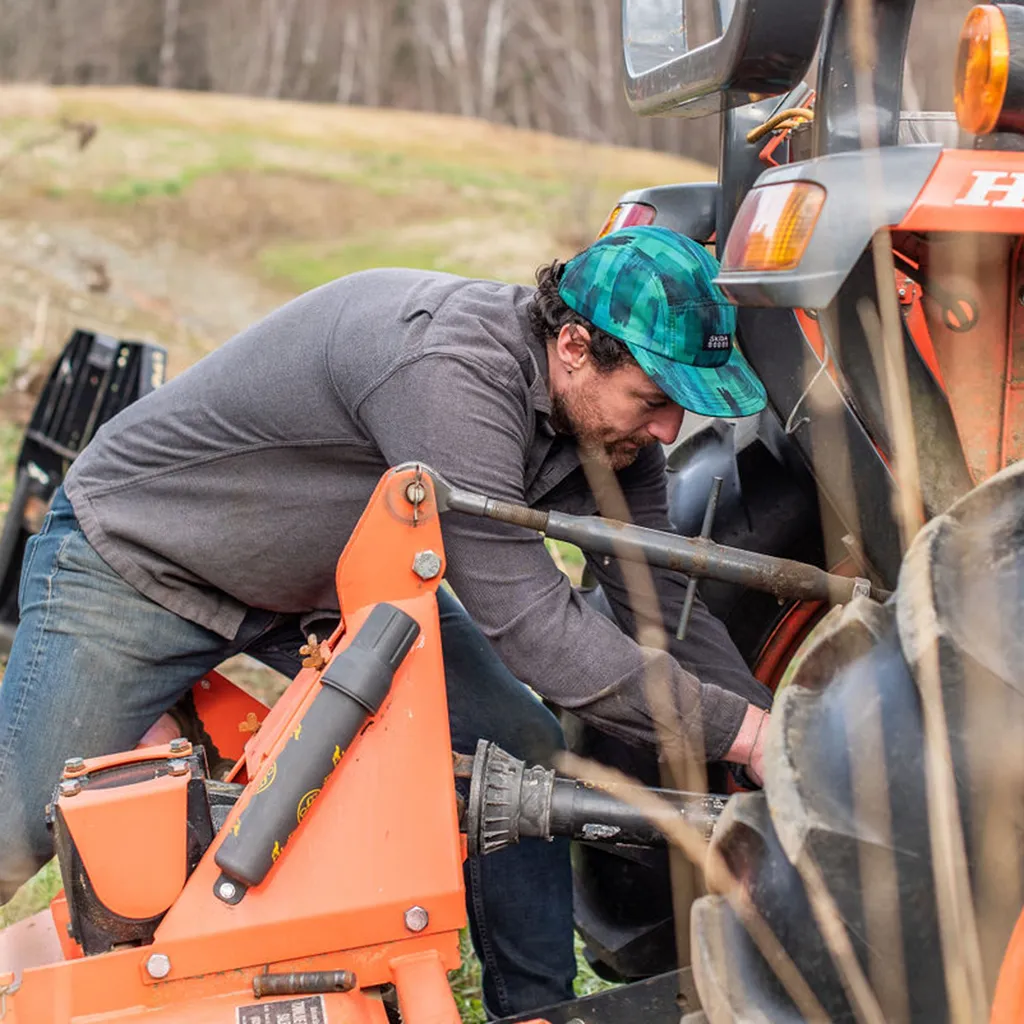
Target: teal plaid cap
{"type": "Point", "coordinates": [654, 290]}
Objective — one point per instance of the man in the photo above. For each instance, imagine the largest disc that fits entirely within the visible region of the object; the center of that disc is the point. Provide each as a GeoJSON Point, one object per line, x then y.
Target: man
{"type": "Point", "coordinates": [207, 518]}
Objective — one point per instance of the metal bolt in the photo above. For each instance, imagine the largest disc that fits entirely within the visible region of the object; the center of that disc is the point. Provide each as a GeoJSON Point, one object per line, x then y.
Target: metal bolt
{"type": "Point", "coordinates": [426, 564]}
{"type": "Point", "coordinates": [70, 787]}
{"type": "Point", "coordinates": [158, 965]}
{"type": "Point", "coordinates": [204, 684]}
{"type": "Point", "coordinates": [74, 766]}
{"type": "Point", "coordinates": [180, 745]}
{"type": "Point", "coordinates": [416, 919]}
{"type": "Point", "coordinates": [416, 493]}
{"type": "Point", "coordinates": [226, 891]}
{"type": "Point", "coordinates": [178, 767]}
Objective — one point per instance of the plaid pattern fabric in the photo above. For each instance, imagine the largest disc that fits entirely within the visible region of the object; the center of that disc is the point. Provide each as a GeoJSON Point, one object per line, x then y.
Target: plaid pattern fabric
{"type": "Point", "coordinates": [654, 290]}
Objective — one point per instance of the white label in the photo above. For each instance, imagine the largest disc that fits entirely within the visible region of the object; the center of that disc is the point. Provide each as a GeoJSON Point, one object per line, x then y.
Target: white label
{"type": "Point", "coordinates": [300, 1010]}
{"type": "Point", "coordinates": [717, 342]}
{"type": "Point", "coordinates": [1001, 189]}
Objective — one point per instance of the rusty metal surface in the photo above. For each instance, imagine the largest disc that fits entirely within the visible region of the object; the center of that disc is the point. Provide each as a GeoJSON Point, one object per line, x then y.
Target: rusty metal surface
{"type": "Point", "coordinates": [694, 556]}
{"type": "Point", "coordinates": [302, 983]}
{"type": "Point", "coordinates": [1013, 403]}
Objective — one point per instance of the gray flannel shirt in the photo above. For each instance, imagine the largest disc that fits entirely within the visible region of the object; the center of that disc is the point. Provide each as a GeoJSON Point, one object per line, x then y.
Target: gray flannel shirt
{"type": "Point", "coordinates": [237, 484]}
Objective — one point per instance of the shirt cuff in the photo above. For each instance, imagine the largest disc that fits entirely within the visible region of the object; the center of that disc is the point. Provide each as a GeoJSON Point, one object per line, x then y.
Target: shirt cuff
{"type": "Point", "coordinates": [722, 714]}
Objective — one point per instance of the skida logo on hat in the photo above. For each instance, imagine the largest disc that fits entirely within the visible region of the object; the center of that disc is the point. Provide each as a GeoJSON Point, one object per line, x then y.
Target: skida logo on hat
{"type": "Point", "coordinates": [654, 290]}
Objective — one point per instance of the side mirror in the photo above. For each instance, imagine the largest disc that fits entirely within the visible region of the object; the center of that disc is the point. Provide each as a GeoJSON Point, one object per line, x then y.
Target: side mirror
{"type": "Point", "coordinates": [762, 48]}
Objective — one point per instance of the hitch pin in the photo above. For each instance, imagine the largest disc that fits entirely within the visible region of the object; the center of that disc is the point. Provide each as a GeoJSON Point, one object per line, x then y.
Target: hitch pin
{"type": "Point", "coordinates": [415, 493]}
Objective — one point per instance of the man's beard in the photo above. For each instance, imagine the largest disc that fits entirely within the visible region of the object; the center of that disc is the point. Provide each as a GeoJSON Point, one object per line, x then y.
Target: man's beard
{"type": "Point", "coordinates": [575, 418]}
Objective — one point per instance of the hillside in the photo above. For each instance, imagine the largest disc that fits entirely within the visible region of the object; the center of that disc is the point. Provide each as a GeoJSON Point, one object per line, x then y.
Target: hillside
{"type": "Point", "coordinates": [188, 215]}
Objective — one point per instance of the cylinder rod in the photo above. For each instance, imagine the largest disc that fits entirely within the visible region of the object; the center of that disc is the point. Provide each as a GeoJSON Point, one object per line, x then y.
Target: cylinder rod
{"type": "Point", "coordinates": [694, 556]}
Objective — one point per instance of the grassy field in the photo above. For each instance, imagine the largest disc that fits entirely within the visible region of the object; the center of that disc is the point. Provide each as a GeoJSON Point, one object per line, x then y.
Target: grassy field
{"type": "Point", "coordinates": [187, 216]}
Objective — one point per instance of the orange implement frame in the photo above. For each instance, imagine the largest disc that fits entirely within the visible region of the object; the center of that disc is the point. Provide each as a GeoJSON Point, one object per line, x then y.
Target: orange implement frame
{"type": "Point", "coordinates": [1008, 1003]}
{"type": "Point", "coordinates": [381, 839]}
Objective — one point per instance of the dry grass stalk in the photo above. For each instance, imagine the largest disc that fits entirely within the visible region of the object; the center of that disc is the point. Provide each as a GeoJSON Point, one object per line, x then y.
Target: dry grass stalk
{"type": "Point", "coordinates": [682, 767]}
{"type": "Point", "coordinates": [878, 872]}
{"type": "Point", "coordinates": [960, 946]}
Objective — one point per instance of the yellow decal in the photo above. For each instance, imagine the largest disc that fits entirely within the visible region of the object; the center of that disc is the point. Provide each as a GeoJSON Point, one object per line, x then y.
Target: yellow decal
{"type": "Point", "coordinates": [305, 803]}
{"type": "Point", "coordinates": [268, 780]}
{"type": "Point", "coordinates": [234, 828]}
{"type": "Point", "coordinates": [298, 731]}
{"type": "Point", "coordinates": [276, 851]}
{"type": "Point", "coordinates": [336, 756]}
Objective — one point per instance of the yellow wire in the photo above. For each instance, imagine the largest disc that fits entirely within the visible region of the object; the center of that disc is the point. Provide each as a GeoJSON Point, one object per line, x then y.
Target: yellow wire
{"type": "Point", "coordinates": [776, 121]}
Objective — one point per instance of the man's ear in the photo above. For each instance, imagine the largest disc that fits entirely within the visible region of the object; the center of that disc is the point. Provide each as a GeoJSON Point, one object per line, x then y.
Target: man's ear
{"type": "Point", "coordinates": [573, 346]}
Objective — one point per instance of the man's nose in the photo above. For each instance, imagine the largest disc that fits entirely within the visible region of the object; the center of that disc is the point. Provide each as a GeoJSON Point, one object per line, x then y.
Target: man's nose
{"type": "Point", "coordinates": [666, 422]}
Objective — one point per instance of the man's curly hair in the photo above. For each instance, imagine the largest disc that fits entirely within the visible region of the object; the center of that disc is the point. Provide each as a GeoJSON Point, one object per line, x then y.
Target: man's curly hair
{"type": "Point", "coordinates": [549, 314]}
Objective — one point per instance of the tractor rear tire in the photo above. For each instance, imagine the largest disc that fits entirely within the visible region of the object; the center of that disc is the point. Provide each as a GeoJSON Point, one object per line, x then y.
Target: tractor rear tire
{"type": "Point", "coordinates": [849, 811]}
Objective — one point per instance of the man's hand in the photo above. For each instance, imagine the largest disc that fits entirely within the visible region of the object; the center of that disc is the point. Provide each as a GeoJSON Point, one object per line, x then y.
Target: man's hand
{"type": "Point", "coordinates": [748, 747]}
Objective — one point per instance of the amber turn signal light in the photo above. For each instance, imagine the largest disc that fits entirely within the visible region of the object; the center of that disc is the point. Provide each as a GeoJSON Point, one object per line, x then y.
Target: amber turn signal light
{"type": "Point", "coordinates": [989, 84]}
{"type": "Point", "coordinates": [628, 215]}
{"type": "Point", "coordinates": [773, 227]}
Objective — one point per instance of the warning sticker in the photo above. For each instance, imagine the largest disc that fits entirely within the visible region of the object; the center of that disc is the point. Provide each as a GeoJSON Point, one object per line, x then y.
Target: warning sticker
{"type": "Point", "coordinates": [302, 1010]}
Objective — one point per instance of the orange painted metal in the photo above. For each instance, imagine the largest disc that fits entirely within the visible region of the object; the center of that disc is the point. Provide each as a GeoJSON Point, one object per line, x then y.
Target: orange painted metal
{"type": "Point", "coordinates": [785, 639]}
{"type": "Point", "coordinates": [959, 197]}
{"type": "Point", "coordinates": [422, 985]}
{"type": "Point", "coordinates": [139, 873]}
{"type": "Point", "coordinates": [212, 999]}
{"type": "Point", "coordinates": [1008, 1002]}
{"type": "Point", "coordinates": [812, 332]}
{"type": "Point", "coordinates": [228, 713]}
{"type": "Point", "coordinates": [912, 305]}
{"type": "Point", "coordinates": [973, 361]}
{"type": "Point", "coordinates": [136, 756]}
{"type": "Point", "coordinates": [70, 950]}
{"type": "Point", "coordinates": [380, 839]}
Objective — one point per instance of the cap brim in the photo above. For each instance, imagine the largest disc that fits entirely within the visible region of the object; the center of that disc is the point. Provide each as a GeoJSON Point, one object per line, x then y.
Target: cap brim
{"type": "Point", "coordinates": [732, 389]}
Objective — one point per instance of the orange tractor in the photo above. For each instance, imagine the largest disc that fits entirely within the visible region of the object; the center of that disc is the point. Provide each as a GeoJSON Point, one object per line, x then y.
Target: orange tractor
{"type": "Point", "coordinates": [879, 875]}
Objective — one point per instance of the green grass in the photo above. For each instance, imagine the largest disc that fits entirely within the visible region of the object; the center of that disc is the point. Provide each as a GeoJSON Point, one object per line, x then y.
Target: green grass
{"type": "Point", "coordinates": [465, 982]}
{"type": "Point", "coordinates": [306, 266]}
{"type": "Point", "coordinates": [33, 896]}
{"type": "Point", "coordinates": [132, 190]}
{"type": "Point", "coordinates": [10, 445]}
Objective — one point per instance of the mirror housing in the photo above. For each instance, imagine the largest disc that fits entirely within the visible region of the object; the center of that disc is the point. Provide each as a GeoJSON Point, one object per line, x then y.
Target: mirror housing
{"type": "Point", "coordinates": [763, 50]}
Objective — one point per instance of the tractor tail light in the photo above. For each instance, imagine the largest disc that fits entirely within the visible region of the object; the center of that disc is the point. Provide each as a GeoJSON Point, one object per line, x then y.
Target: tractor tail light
{"type": "Point", "coordinates": [628, 215]}
{"type": "Point", "coordinates": [989, 81]}
{"type": "Point", "coordinates": [773, 226]}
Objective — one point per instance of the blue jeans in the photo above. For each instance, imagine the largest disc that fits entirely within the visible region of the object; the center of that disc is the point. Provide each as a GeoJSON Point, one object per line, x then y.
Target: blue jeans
{"type": "Point", "coordinates": [94, 664]}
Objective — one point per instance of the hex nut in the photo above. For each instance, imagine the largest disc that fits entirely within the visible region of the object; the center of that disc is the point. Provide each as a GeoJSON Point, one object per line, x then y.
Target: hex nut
{"type": "Point", "coordinates": [426, 564]}
{"type": "Point", "coordinates": [179, 745]}
{"type": "Point", "coordinates": [70, 787]}
{"type": "Point", "coordinates": [178, 767]}
{"type": "Point", "coordinates": [158, 965]}
{"type": "Point", "coordinates": [416, 919]}
{"type": "Point", "coordinates": [74, 766]}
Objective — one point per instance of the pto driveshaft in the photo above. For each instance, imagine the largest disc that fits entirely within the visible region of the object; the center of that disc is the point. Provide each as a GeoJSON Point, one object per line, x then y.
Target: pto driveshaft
{"type": "Point", "coordinates": [510, 801]}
